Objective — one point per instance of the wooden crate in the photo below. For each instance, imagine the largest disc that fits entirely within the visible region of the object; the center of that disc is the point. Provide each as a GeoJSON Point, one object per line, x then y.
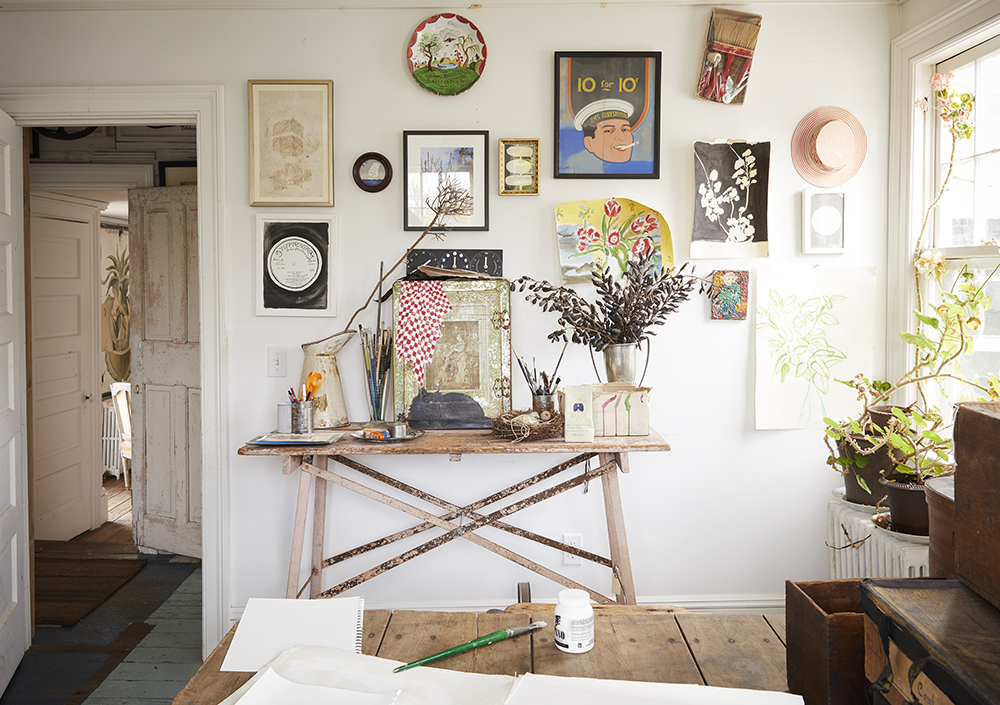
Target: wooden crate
{"type": "Point", "coordinates": [977, 497]}
{"type": "Point", "coordinates": [825, 648]}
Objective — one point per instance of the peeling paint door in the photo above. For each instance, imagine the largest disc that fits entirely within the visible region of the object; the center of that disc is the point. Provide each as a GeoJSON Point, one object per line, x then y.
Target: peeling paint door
{"type": "Point", "coordinates": [65, 377]}
{"type": "Point", "coordinates": [166, 369]}
{"type": "Point", "coordinates": [15, 628]}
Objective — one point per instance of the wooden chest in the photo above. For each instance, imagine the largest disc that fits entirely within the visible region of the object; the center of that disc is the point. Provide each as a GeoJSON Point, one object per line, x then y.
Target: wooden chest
{"type": "Point", "coordinates": [825, 642]}
{"type": "Point", "coordinates": [940, 640]}
{"type": "Point", "coordinates": [977, 497]}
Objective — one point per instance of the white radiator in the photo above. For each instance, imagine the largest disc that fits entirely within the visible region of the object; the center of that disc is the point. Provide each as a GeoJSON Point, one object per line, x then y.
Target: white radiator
{"type": "Point", "coordinates": [111, 441]}
{"type": "Point", "coordinates": [882, 555]}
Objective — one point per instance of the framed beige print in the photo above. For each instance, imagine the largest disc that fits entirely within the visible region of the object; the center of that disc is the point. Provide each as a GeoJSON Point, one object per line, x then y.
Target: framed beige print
{"type": "Point", "coordinates": [518, 167]}
{"type": "Point", "coordinates": [291, 143]}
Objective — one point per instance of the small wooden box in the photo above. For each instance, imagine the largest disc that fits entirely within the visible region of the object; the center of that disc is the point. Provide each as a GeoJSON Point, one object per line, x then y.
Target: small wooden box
{"type": "Point", "coordinates": [940, 494]}
{"type": "Point", "coordinates": [825, 649]}
{"type": "Point", "coordinates": [977, 497]}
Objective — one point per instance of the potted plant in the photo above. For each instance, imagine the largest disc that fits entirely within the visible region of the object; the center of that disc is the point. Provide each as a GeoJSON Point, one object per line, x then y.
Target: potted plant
{"type": "Point", "coordinates": [624, 313]}
{"type": "Point", "coordinates": [916, 437]}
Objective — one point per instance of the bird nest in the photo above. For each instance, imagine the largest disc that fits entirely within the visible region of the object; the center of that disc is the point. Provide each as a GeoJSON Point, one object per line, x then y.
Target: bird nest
{"type": "Point", "coordinates": [508, 425]}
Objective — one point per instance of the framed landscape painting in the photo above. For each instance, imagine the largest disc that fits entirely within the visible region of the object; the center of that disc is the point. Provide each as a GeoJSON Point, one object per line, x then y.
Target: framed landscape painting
{"type": "Point", "coordinates": [291, 143]}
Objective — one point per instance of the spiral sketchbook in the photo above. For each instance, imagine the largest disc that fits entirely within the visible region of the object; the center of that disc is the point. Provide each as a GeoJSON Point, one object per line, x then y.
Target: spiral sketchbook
{"type": "Point", "coordinates": [271, 625]}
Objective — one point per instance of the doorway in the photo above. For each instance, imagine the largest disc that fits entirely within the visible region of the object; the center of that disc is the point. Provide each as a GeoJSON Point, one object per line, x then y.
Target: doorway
{"type": "Point", "coordinates": [202, 106]}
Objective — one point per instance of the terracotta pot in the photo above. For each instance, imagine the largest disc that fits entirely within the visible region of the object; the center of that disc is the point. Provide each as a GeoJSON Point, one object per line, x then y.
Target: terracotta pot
{"type": "Point", "coordinates": [907, 507]}
{"type": "Point", "coordinates": [879, 462]}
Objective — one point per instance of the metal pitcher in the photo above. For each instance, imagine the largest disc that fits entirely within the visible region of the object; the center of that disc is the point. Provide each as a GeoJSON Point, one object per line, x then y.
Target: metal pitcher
{"type": "Point", "coordinates": [329, 407]}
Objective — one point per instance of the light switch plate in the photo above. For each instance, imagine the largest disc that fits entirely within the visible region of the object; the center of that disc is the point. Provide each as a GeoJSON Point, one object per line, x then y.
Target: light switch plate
{"type": "Point", "coordinates": [277, 361]}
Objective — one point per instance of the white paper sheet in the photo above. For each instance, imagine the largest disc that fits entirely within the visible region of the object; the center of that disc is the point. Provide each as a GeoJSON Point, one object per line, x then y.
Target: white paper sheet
{"type": "Point", "coordinates": [272, 689]}
{"type": "Point", "coordinates": [314, 665]}
{"type": "Point", "coordinates": [815, 325]}
{"type": "Point", "coordinates": [531, 689]}
{"type": "Point", "coordinates": [271, 625]}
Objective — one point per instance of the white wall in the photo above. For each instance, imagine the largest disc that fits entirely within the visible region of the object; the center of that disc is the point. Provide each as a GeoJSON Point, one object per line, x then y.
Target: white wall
{"type": "Point", "coordinates": [730, 511]}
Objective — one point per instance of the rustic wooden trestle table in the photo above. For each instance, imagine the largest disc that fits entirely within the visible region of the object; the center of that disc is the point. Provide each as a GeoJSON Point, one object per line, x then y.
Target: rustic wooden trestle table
{"type": "Point", "coordinates": [458, 521]}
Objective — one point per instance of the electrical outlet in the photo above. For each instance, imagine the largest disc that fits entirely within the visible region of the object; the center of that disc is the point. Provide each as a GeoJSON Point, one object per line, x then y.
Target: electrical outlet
{"type": "Point", "coordinates": [277, 361]}
{"type": "Point", "coordinates": [576, 541]}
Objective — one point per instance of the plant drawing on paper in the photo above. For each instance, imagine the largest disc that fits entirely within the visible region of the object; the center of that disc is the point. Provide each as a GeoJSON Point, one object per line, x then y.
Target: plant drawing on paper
{"type": "Point", "coordinates": [800, 344]}
{"type": "Point", "coordinates": [596, 234]}
{"type": "Point", "coordinates": [809, 321]}
{"type": "Point", "coordinates": [730, 214]}
{"type": "Point", "coordinates": [738, 225]}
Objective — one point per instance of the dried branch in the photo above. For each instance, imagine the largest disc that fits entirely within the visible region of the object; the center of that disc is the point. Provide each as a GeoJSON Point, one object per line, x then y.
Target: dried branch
{"type": "Point", "coordinates": [624, 313]}
{"type": "Point", "coordinates": [451, 200]}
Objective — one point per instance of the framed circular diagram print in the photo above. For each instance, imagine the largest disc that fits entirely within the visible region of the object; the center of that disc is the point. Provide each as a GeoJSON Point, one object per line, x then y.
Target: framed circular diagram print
{"type": "Point", "coordinates": [295, 266]}
{"type": "Point", "coordinates": [372, 172]}
{"type": "Point", "coordinates": [446, 54]}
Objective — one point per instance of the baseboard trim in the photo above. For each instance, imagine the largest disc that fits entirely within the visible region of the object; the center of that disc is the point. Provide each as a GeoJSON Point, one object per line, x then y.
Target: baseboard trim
{"type": "Point", "coordinates": [716, 604]}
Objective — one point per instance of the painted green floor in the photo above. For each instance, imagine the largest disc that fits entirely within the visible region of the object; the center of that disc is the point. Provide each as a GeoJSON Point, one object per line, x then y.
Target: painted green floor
{"type": "Point", "coordinates": [140, 647]}
{"type": "Point", "coordinates": [158, 668]}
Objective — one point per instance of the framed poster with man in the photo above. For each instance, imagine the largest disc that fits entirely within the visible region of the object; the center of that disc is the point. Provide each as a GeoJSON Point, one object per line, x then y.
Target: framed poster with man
{"type": "Point", "coordinates": [607, 115]}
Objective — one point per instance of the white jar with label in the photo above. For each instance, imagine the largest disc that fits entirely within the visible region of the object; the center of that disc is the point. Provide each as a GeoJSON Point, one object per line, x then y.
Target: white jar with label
{"type": "Point", "coordinates": [574, 628]}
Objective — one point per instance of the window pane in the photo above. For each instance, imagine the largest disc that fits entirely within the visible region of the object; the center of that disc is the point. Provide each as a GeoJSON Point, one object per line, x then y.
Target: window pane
{"type": "Point", "coordinates": [988, 105]}
{"type": "Point", "coordinates": [988, 199]}
{"type": "Point", "coordinates": [956, 213]}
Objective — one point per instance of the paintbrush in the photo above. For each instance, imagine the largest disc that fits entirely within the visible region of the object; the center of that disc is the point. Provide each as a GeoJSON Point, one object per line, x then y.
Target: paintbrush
{"type": "Point", "coordinates": [732, 38]}
{"type": "Point", "coordinates": [490, 638]}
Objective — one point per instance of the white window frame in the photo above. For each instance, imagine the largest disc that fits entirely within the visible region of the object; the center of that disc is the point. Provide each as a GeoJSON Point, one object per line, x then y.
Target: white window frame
{"type": "Point", "coordinates": [912, 167]}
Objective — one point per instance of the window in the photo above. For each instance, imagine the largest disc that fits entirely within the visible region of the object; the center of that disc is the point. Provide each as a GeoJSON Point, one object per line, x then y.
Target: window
{"type": "Point", "coordinates": [969, 213]}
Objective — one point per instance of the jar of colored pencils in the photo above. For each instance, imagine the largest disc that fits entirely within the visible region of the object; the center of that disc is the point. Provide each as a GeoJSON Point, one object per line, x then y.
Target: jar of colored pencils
{"type": "Point", "coordinates": [302, 416]}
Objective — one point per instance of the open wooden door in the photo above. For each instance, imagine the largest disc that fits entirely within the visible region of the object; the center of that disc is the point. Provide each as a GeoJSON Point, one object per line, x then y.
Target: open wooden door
{"type": "Point", "coordinates": [15, 625]}
{"type": "Point", "coordinates": [166, 369]}
{"type": "Point", "coordinates": [65, 377]}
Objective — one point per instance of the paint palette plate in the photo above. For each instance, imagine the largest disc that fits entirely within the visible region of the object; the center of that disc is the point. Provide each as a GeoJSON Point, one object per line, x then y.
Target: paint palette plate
{"type": "Point", "coordinates": [414, 433]}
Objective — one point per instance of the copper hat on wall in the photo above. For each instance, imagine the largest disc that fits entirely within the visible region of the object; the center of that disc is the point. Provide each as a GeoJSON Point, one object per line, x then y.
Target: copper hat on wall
{"type": "Point", "coordinates": [828, 146]}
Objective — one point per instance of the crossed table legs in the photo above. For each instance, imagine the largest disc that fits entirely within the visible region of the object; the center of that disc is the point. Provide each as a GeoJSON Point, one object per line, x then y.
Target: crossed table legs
{"type": "Point", "coordinates": [606, 470]}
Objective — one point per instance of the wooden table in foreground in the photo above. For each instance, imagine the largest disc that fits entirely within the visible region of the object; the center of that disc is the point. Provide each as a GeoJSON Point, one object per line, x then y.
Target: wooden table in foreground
{"type": "Point", "coordinates": [458, 521]}
{"type": "Point", "coordinates": [631, 643]}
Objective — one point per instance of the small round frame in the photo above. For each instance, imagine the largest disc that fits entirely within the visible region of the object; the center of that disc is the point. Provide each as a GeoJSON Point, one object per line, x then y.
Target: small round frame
{"type": "Point", "coordinates": [372, 172]}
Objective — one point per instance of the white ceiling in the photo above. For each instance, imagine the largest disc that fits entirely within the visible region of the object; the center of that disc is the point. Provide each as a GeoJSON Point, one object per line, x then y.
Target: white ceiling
{"type": "Point", "coordinates": [50, 5]}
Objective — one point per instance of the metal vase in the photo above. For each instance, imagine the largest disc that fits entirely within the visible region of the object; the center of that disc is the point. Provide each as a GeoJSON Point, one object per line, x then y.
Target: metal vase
{"type": "Point", "coordinates": [619, 362]}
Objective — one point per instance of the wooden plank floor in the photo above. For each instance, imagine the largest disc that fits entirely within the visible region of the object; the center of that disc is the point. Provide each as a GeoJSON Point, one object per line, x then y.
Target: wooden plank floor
{"type": "Point", "coordinates": [118, 527]}
{"type": "Point", "coordinates": [139, 647]}
{"type": "Point", "coordinates": [158, 668]}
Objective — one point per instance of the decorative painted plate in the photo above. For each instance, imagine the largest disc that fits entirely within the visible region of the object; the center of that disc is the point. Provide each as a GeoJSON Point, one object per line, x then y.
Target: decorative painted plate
{"type": "Point", "coordinates": [447, 54]}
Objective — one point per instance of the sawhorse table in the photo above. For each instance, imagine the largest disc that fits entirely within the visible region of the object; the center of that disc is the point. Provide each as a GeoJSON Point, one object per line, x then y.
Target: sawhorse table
{"type": "Point", "coordinates": [314, 462]}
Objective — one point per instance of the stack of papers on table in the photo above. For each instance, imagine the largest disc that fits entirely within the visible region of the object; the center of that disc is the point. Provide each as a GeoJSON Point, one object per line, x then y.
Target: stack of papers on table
{"type": "Point", "coordinates": [271, 625]}
{"type": "Point", "coordinates": [326, 675]}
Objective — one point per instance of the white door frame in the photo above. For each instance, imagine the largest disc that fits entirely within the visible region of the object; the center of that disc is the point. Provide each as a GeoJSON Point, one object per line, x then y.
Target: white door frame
{"type": "Point", "coordinates": [171, 105]}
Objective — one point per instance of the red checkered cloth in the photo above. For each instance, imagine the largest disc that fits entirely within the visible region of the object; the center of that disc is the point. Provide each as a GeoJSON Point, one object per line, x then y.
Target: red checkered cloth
{"type": "Point", "coordinates": [422, 305]}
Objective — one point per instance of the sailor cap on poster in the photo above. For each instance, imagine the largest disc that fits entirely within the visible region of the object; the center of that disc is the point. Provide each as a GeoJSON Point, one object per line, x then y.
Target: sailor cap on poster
{"type": "Point", "coordinates": [607, 122]}
{"type": "Point", "coordinates": [295, 265]}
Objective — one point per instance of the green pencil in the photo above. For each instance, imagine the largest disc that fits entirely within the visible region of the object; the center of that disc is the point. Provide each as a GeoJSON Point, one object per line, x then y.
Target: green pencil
{"type": "Point", "coordinates": [491, 638]}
